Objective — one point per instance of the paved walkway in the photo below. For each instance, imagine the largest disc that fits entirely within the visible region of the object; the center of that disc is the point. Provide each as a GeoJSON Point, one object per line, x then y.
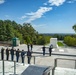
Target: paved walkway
{"type": "Point", "coordinates": [48, 60]}
{"type": "Point", "coordinates": [9, 69]}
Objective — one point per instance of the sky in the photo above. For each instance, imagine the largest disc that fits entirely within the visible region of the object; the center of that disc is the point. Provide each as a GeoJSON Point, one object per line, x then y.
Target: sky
{"type": "Point", "coordinates": [46, 16]}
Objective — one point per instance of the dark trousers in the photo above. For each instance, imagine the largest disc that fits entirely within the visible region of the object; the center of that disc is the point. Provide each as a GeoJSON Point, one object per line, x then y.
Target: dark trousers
{"type": "Point", "coordinates": [29, 58]}
{"type": "Point", "coordinates": [7, 57]}
{"type": "Point", "coordinates": [2, 56]}
{"type": "Point", "coordinates": [43, 52]}
{"type": "Point", "coordinates": [22, 59]}
{"type": "Point", "coordinates": [12, 56]}
{"type": "Point", "coordinates": [17, 58]}
{"type": "Point", "coordinates": [49, 53]}
{"type": "Point", "coordinates": [31, 48]}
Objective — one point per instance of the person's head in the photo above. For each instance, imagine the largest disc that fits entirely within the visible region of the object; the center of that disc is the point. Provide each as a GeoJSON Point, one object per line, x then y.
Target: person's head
{"type": "Point", "coordinates": [22, 50]}
{"type": "Point", "coordinates": [51, 45]}
{"type": "Point", "coordinates": [18, 49]}
{"type": "Point", "coordinates": [2, 48]}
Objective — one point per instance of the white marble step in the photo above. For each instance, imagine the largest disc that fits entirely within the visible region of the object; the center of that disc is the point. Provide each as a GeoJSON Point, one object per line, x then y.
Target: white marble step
{"type": "Point", "coordinates": [64, 71]}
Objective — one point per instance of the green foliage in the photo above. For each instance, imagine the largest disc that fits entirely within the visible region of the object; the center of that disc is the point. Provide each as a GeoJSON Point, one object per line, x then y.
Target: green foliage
{"type": "Point", "coordinates": [29, 33]}
{"type": "Point", "coordinates": [26, 33]}
{"type": "Point", "coordinates": [42, 40]}
{"type": "Point", "coordinates": [60, 44]}
{"type": "Point", "coordinates": [59, 36]}
{"type": "Point", "coordinates": [70, 41]}
{"type": "Point", "coordinates": [74, 27]}
{"type": "Point", "coordinates": [6, 30]}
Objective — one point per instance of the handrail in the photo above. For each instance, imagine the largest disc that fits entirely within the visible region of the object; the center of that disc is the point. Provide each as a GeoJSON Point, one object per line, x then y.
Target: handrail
{"type": "Point", "coordinates": [3, 66]}
{"type": "Point", "coordinates": [55, 62]}
{"type": "Point", "coordinates": [66, 59]}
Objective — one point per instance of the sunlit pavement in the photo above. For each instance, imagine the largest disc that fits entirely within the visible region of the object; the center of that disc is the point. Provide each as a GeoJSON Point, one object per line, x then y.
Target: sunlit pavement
{"type": "Point", "coordinates": [64, 67]}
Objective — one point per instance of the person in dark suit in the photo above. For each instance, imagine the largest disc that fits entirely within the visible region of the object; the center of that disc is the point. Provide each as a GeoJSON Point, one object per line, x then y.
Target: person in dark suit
{"type": "Point", "coordinates": [12, 53]}
{"type": "Point", "coordinates": [50, 50]}
{"type": "Point", "coordinates": [17, 54]}
{"type": "Point", "coordinates": [22, 55]}
{"type": "Point", "coordinates": [7, 54]}
{"type": "Point", "coordinates": [31, 45]}
{"type": "Point", "coordinates": [28, 46]}
{"type": "Point", "coordinates": [2, 54]}
{"type": "Point", "coordinates": [43, 48]}
{"type": "Point", "coordinates": [29, 54]}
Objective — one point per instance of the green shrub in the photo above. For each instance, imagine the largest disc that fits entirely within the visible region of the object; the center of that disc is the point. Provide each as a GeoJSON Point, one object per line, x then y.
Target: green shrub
{"type": "Point", "coordinates": [70, 41]}
{"type": "Point", "coordinates": [60, 44]}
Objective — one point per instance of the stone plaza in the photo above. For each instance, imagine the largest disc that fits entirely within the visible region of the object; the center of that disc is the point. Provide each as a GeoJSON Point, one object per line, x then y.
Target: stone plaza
{"type": "Point", "coordinates": [64, 67]}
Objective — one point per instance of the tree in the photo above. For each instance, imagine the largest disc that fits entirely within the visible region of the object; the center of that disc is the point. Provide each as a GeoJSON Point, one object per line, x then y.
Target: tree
{"type": "Point", "coordinates": [2, 30]}
{"type": "Point", "coordinates": [70, 41]}
{"type": "Point", "coordinates": [30, 32]}
{"type": "Point", "coordinates": [9, 30]}
{"type": "Point", "coordinates": [25, 32]}
{"type": "Point", "coordinates": [74, 27]}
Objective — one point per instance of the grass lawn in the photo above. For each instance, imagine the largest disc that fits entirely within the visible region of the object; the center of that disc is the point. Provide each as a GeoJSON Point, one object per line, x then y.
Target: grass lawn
{"type": "Point", "coordinates": [60, 44]}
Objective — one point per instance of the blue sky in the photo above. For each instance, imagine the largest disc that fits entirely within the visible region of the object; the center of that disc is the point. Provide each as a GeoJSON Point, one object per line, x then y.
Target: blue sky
{"type": "Point", "coordinates": [46, 16]}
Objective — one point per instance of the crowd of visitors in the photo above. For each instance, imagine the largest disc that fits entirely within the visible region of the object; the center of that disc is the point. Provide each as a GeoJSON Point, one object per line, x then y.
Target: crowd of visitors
{"type": "Point", "coordinates": [18, 53]}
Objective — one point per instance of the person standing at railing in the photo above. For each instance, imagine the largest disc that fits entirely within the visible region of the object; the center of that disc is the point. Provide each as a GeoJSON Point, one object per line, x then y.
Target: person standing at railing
{"type": "Point", "coordinates": [17, 54]}
{"type": "Point", "coordinates": [12, 53]}
{"type": "Point", "coordinates": [50, 49]}
{"type": "Point", "coordinates": [2, 54]}
{"type": "Point", "coordinates": [7, 54]}
{"type": "Point", "coordinates": [23, 55]}
{"type": "Point", "coordinates": [29, 54]}
{"type": "Point", "coordinates": [31, 45]}
{"type": "Point", "coordinates": [28, 46]}
{"type": "Point", "coordinates": [43, 48]}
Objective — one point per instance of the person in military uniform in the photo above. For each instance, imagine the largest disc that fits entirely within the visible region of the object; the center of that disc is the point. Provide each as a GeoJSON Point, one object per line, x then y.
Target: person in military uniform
{"type": "Point", "coordinates": [50, 49]}
{"type": "Point", "coordinates": [17, 54]}
{"type": "Point", "coordinates": [2, 53]}
{"type": "Point", "coordinates": [23, 55]}
{"type": "Point", "coordinates": [12, 53]}
{"type": "Point", "coordinates": [7, 54]}
{"type": "Point", "coordinates": [29, 54]}
{"type": "Point", "coordinates": [43, 48]}
{"type": "Point", "coordinates": [31, 45]}
{"type": "Point", "coordinates": [28, 46]}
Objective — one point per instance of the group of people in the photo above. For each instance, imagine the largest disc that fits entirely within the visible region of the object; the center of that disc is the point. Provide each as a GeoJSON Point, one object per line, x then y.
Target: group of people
{"type": "Point", "coordinates": [22, 53]}
{"type": "Point", "coordinates": [17, 52]}
{"type": "Point", "coordinates": [50, 49]}
{"type": "Point", "coordinates": [30, 46]}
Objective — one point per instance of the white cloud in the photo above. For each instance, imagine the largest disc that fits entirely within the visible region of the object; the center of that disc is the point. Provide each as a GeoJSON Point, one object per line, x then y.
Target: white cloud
{"type": "Point", "coordinates": [45, 4]}
{"type": "Point", "coordinates": [31, 13]}
{"type": "Point", "coordinates": [56, 2]}
{"type": "Point", "coordinates": [6, 16]}
{"type": "Point", "coordinates": [23, 17]}
{"type": "Point", "coordinates": [41, 25]}
{"type": "Point", "coordinates": [71, 1]}
{"type": "Point", "coordinates": [38, 14]}
{"type": "Point", "coordinates": [2, 1]}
